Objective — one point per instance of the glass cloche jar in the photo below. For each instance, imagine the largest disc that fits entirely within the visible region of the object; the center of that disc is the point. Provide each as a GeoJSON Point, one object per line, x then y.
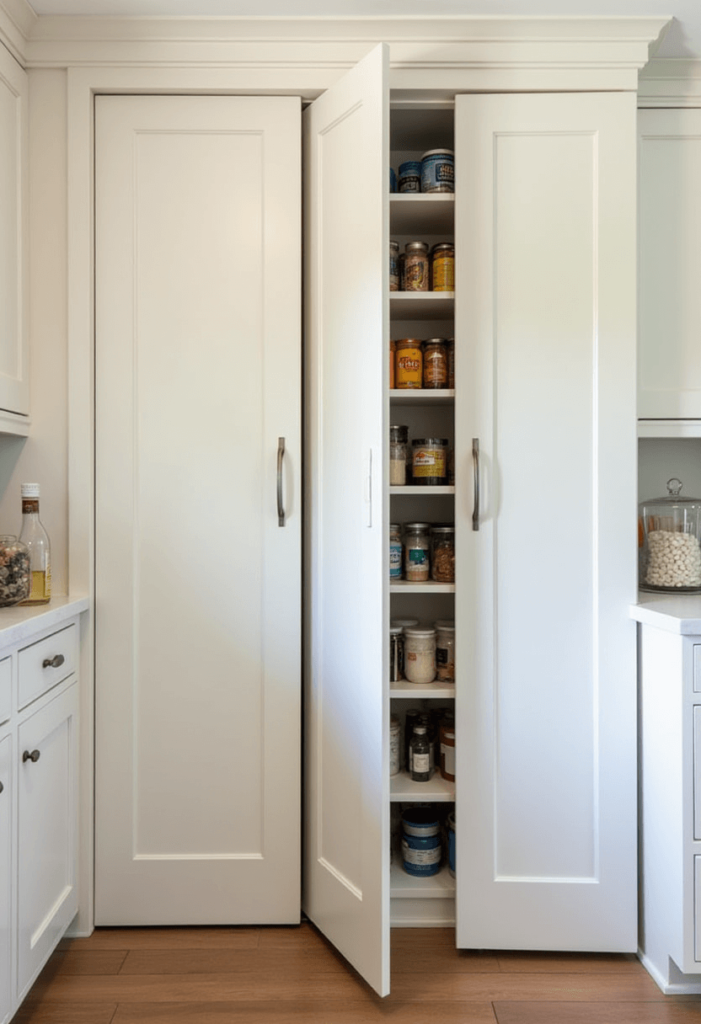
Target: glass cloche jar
{"type": "Point", "coordinates": [15, 578]}
{"type": "Point", "coordinates": [670, 548]}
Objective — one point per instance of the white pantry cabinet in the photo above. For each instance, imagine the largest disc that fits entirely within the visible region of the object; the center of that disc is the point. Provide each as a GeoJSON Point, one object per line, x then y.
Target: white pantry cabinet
{"type": "Point", "coordinates": [544, 324]}
{"type": "Point", "coordinates": [39, 795]}
{"type": "Point", "coordinates": [669, 360]}
{"type": "Point", "coordinates": [14, 365]}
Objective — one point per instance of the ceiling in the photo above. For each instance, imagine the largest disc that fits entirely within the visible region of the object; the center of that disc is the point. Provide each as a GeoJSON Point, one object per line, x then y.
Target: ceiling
{"type": "Point", "coordinates": [682, 39]}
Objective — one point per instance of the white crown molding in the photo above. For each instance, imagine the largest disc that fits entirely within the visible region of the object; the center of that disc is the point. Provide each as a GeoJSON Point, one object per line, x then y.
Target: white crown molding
{"type": "Point", "coordinates": [674, 82]}
{"type": "Point", "coordinates": [17, 22]}
{"type": "Point", "coordinates": [540, 52]}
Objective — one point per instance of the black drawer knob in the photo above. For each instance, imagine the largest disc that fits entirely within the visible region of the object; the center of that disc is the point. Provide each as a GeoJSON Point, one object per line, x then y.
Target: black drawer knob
{"type": "Point", "coordinates": [34, 756]}
{"type": "Point", "coordinates": [54, 662]}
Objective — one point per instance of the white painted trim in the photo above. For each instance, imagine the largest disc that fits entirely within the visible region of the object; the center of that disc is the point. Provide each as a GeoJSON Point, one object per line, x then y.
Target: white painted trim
{"type": "Point", "coordinates": [674, 82]}
{"type": "Point", "coordinates": [17, 20]}
{"type": "Point", "coordinates": [669, 428]}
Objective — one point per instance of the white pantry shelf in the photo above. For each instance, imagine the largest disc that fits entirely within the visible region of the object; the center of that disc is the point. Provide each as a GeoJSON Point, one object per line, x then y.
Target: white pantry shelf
{"type": "Point", "coordinates": [436, 790]}
{"type": "Point", "coordinates": [417, 213]}
{"type": "Point", "coordinates": [429, 587]}
{"type": "Point", "coordinates": [421, 396]}
{"type": "Point", "coordinates": [404, 886]}
{"type": "Point", "coordinates": [413, 489]}
{"type": "Point", "coordinates": [421, 690]}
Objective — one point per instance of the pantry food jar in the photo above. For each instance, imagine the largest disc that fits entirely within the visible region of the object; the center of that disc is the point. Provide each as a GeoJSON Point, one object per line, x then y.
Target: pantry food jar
{"type": "Point", "coordinates": [435, 372]}
{"type": "Point", "coordinates": [395, 552]}
{"type": "Point", "coordinates": [429, 462]}
{"type": "Point", "coordinates": [417, 559]}
{"type": "Point", "coordinates": [396, 654]}
{"type": "Point", "coordinates": [443, 267]}
{"type": "Point", "coordinates": [409, 363]}
{"type": "Point", "coordinates": [409, 176]}
{"type": "Point", "coordinates": [395, 745]}
{"type": "Point", "coordinates": [670, 535]}
{"type": "Point", "coordinates": [445, 650]}
{"type": "Point", "coordinates": [416, 267]}
{"type": "Point", "coordinates": [443, 554]}
{"type": "Point", "coordinates": [398, 444]}
{"type": "Point", "coordinates": [394, 266]}
{"type": "Point", "coordinates": [420, 654]}
{"type": "Point", "coordinates": [438, 171]}
{"type": "Point", "coordinates": [15, 577]}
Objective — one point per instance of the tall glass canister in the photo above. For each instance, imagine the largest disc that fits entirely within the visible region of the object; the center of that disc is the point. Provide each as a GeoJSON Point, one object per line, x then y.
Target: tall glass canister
{"type": "Point", "coordinates": [669, 534]}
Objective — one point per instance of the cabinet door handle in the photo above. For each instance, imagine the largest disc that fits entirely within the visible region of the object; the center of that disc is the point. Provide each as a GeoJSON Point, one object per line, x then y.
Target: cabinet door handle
{"type": "Point", "coordinates": [1, 787]}
{"type": "Point", "coordinates": [280, 505]}
{"type": "Point", "coordinates": [476, 478]}
{"type": "Point", "coordinates": [33, 757]}
{"type": "Point", "coordinates": [54, 662]}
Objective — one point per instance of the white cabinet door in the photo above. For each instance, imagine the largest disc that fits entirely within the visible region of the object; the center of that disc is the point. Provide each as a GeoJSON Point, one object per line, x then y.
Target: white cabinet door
{"type": "Point", "coordinates": [346, 886]}
{"type": "Point", "coordinates": [669, 356]}
{"type": "Point", "coordinates": [198, 678]}
{"type": "Point", "coordinates": [546, 755]}
{"type": "Point", "coordinates": [47, 897]}
{"type": "Point", "coordinates": [14, 368]}
{"type": "Point", "coordinates": [5, 878]}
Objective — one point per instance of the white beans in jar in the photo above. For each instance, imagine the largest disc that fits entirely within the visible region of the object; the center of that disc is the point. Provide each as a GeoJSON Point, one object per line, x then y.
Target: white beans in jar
{"type": "Point", "coordinates": [420, 655]}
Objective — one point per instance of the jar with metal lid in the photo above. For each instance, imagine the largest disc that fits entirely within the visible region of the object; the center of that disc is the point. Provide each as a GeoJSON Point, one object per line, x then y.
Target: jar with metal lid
{"type": "Point", "coordinates": [445, 650]}
{"type": "Point", "coordinates": [394, 266]}
{"type": "Point", "coordinates": [447, 761]}
{"type": "Point", "coordinates": [416, 267]}
{"type": "Point", "coordinates": [395, 745]}
{"type": "Point", "coordinates": [411, 718]}
{"type": "Point", "coordinates": [409, 363]}
{"type": "Point", "coordinates": [451, 362]}
{"type": "Point", "coordinates": [443, 553]}
{"type": "Point", "coordinates": [395, 552]}
{"type": "Point", "coordinates": [438, 171]}
{"type": "Point", "coordinates": [670, 556]}
{"type": "Point", "coordinates": [416, 552]}
{"type": "Point", "coordinates": [398, 445]}
{"type": "Point", "coordinates": [409, 176]}
{"type": "Point", "coordinates": [429, 463]}
{"type": "Point", "coordinates": [435, 371]}
{"type": "Point", "coordinates": [420, 654]}
{"type": "Point", "coordinates": [396, 654]}
{"type": "Point", "coordinates": [443, 267]}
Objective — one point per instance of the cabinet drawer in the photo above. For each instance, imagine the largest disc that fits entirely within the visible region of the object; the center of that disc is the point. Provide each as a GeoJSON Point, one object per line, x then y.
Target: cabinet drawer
{"type": "Point", "coordinates": [697, 668]}
{"type": "Point", "coordinates": [5, 689]}
{"type": "Point", "coordinates": [46, 663]}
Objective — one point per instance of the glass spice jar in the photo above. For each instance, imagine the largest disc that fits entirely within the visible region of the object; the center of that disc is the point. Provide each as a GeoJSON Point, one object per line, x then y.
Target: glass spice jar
{"type": "Point", "coordinates": [394, 266]}
{"type": "Point", "coordinates": [409, 364]}
{"type": "Point", "coordinates": [420, 654]}
{"type": "Point", "coordinates": [443, 554]}
{"type": "Point", "coordinates": [398, 445]}
{"type": "Point", "coordinates": [395, 552]}
{"type": "Point", "coordinates": [396, 654]}
{"type": "Point", "coordinates": [416, 552]}
{"type": "Point", "coordinates": [435, 370]}
{"type": "Point", "coordinates": [445, 650]}
{"type": "Point", "coordinates": [443, 267]}
{"type": "Point", "coordinates": [416, 267]}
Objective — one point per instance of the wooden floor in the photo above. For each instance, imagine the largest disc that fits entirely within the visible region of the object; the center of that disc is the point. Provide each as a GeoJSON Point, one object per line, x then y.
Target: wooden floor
{"type": "Point", "coordinates": [293, 976]}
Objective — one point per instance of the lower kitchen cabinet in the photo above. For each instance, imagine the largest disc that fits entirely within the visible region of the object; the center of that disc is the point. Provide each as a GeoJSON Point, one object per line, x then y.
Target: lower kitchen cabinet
{"type": "Point", "coordinates": [46, 805]}
{"type": "Point", "coordinates": [5, 877]}
{"type": "Point", "coordinates": [38, 791]}
{"type": "Point", "coordinates": [670, 770]}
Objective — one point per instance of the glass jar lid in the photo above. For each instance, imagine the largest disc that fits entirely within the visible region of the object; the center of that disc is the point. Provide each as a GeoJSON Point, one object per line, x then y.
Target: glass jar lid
{"type": "Point", "coordinates": [436, 442]}
{"type": "Point", "coordinates": [404, 623]}
{"type": "Point", "coordinates": [395, 630]}
{"type": "Point", "coordinates": [443, 529]}
{"type": "Point", "coordinates": [417, 526]}
{"type": "Point", "coordinates": [399, 434]}
{"type": "Point", "coordinates": [420, 247]}
{"type": "Point", "coordinates": [419, 631]}
{"type": "Point", "coordinates": [673, 497]}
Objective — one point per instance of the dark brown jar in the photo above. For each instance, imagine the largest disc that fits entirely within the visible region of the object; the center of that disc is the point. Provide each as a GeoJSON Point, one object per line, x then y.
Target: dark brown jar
{"type": "Point", "coordinates": [435, 368]}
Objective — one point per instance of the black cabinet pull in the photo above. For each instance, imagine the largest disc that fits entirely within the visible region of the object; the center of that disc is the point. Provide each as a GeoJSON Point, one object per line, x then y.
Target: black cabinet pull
{"type": "Point", "coordinates": [34, 756]}
{"type": "Point", "coordinates": [54, 662]}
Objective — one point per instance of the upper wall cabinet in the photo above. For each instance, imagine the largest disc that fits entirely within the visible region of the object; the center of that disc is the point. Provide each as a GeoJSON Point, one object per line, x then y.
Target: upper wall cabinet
{"type": "Point", "coordinates": [669, 354]}
{"type": "Point", "coordinates": [14, 368]}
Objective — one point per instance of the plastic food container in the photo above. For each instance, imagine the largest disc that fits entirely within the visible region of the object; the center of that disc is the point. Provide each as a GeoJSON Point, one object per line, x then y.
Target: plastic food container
{"type": "Point", "coordinates": [670, 542]}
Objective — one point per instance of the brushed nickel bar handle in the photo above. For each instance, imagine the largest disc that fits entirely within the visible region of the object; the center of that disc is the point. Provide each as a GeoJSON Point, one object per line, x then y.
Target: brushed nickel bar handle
{"type": "Point", "coordinates": [280, 505]}
{"type": "Point", "coordinates": [476, 478]}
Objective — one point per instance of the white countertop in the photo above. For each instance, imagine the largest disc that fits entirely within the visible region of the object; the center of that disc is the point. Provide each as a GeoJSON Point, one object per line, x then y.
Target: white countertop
{"type": "Point", "coordinates": [18, 623]}
{"type": "Point", "coordinates": [677, 613]}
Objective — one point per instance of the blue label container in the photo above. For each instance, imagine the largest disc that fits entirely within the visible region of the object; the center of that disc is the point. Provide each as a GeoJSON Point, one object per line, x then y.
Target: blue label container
{"type": "Point", "coordinates": [410, 176]}
{"type": "Point", "coordinates": [438, 171]}
{"type": "Point", "coordinates": [451, 844]}
{"type": "Point", "coordinates": [421, 857]}
{"type": "Point", "coordinates": [392, 180]}
{"type": "Point", "coordinates": [421, 822]}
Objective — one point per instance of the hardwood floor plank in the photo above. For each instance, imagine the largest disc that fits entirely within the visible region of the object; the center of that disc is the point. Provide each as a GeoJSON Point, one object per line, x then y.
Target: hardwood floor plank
{"type": "Point", "coordinates": [284, 1012]}
{"type": "Point", "coordinates": [672, 1010]}
{"type": "Point", "coordinates": [414, 938]}
{"type": "Point", "coordinates": [33, 1012]}
{"type": "Point", "coordinates": [166, 938]}
{"type": "Point", "coordinates": [92, 961]}
{"type": "Point", "coordinates": [568, 963]}
{"type": "Point", "coordinates": [226, 961]}
{"type": "Point", "coordinates": [282, 984]}
{"type": "Point", "coordinates": [441, 959]}
{"type": "Point", "coordinates": [302, 936]}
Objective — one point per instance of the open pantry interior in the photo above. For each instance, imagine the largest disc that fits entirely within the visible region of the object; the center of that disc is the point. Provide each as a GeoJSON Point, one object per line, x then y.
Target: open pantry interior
{"type": "Point", "coordinates": [418, 896]}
